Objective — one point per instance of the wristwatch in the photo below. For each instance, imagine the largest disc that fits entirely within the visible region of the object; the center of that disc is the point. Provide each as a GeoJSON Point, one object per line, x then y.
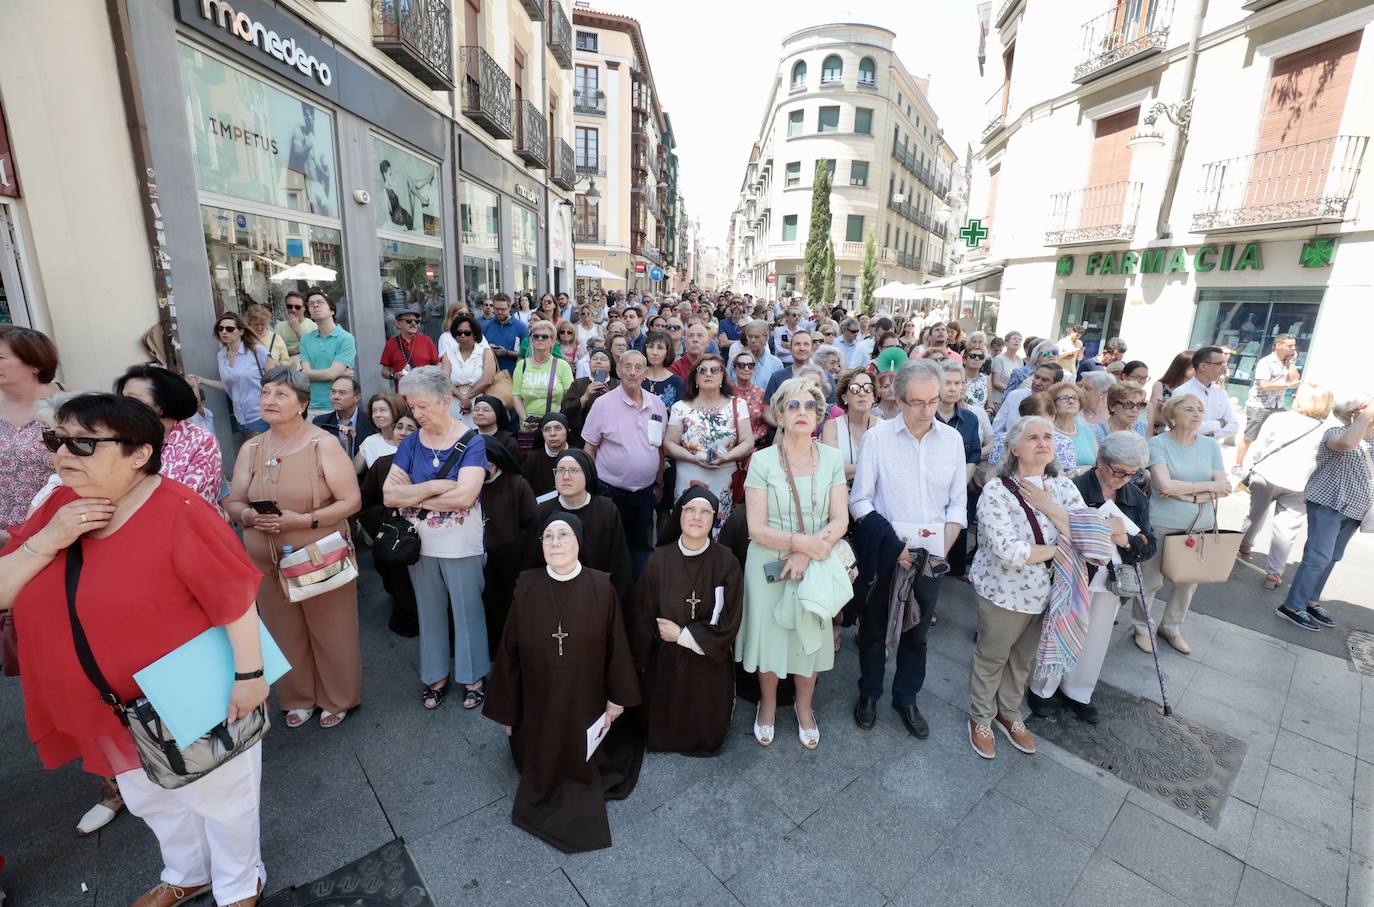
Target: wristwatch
{"type": "Point", "coordinates": [251, 675]}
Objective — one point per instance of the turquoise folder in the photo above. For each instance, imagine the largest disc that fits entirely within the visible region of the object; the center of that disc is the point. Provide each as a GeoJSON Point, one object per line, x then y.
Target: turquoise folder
{"type": "Point", "coordinates": [190, 685]}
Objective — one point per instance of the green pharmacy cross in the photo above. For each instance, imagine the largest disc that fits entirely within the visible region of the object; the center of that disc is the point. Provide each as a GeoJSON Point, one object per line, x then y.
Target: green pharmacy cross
{"type": "Point", "coordinates": [974, 233]}
{"type": "Point", "coordinates": [1064, 267]}
{"type": "Point", "coordinates": [1317, 253]}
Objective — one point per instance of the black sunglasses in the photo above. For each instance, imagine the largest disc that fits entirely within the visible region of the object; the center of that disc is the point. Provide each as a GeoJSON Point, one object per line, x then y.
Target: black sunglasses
{"type": "Point", "coordinates": [82, 447]}
{"type": "Point", "coordinates": [226, 328]}
{"type": "Point", "coordinates": [463, 333]}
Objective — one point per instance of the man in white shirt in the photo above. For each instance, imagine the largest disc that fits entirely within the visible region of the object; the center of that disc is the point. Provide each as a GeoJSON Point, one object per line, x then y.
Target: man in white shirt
{"type": "Point", "coordinates": [1208, 384]}
{"type": "Point", "coordinates": [1275, 374]}
{"type": "Point", "coordinates": [782, 335]}
{"type": "Point", "coordinates": [850, 345]}
{"type": "Point", "coordinates": [910, 475]}
{"type": "Point", "coordinates": [1045, 375]}
{"type": "Point", "coordinates": [1071, 348]}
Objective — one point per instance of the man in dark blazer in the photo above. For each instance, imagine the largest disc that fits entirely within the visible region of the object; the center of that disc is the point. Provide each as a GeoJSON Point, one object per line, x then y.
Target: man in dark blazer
{"type": "Point", "coordinates": [347, 421]}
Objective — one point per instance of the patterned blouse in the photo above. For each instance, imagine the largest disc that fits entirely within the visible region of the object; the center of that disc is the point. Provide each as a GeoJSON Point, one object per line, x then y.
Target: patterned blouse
{"type": "Point", "coordinates": [1341, 480]}
{"type": "Point", "coordinates": [27, 465]}
{"type": "Point", "coordinates": [1000, 572]}
{"type": "Point", "coordinates": [976, 392]}
{"type": "Point", "coordinates": [752, 394]}
{"type": "Point", "coordinates": [190, 455]}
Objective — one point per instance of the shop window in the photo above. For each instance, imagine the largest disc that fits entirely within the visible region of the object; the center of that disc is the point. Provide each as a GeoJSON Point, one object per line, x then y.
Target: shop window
{"type": "Point", "coordinates": [828, 119]}
{"type": "Point", "coordinates": [481, 279]}
{"type": "Point", "coordinates": [405, 192]}
{"type": "Point", "coordinates": [794, 123]}
{"type": "Point", "coordinates": [1246, 321]}
{"type": "Point", "coordinates": [412, 278]}
{"type": "Point", "coordinates": [789, 227]}
{"type": "Point", "coordinates": [863, 120]}
{"type": "Point", "coordinates": [1100, 311]}
{"type": "Point", "coordinates": [525, 249]}
{"type": "Point", "coordinates": [481, 219]}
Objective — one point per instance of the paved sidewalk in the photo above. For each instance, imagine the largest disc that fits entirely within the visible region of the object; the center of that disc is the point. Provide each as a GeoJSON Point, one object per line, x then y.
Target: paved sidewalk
{"type": "Point", "coordinates": [868, 818]}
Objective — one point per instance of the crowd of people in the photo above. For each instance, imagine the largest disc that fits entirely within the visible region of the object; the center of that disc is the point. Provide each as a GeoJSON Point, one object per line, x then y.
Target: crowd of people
{"type": "Point", "coordinates": [601, 518]}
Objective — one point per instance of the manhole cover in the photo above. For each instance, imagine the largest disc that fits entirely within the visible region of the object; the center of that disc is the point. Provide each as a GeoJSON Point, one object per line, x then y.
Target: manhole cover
{"type": "Point", "coordinates": [1361, 645]}
{"type": "Point", "coordinates": [387, 877]}
{"type": "Point", "coordinates": [1181, 762]}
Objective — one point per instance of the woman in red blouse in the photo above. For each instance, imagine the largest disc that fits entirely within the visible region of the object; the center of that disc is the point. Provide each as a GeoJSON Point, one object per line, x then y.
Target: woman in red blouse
{"type": "Point", "coordinates": [190, 454]}
{"type": "Point", "coordinates": [160, 567]}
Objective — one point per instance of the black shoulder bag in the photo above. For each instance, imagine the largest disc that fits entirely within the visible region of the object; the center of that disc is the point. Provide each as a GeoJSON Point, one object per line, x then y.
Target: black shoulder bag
{"type": "Point", "coordinates": [397, 543]}
{"type": "Point", "coordinates": [166, 766]}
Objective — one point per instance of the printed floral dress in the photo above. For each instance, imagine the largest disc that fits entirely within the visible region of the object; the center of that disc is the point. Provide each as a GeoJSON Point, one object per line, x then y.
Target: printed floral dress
{"type": "Point", "coordinates": [704, 430]}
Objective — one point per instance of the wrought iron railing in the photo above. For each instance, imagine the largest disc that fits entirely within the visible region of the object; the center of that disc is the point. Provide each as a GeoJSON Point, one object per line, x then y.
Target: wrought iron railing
{"type": "Point", "coordinates": [1103, 213]}
{"type": "Point", "coordinates": [564, 173]}
{"type": "Point", "coordinates": [1112, 38]}
{"type": "Point", "coordinates": [535, 9]}
{"type": "Point", "coordinates": [417, 34]}
{"type": "Point", "coordinates": [589, 232]}
{"type": "Point", "coordinates": [995, 109]}
{"type": "Point", "coordinates": [560, 37]}
{"type": "Point", "coordinates": [589, 101]}
{"type": "Point", "coordinates": [531, 136]}
{"type": "Point", "coordinates": [923, 172]}
{"type": "Point", "coordinates": [935, 269]}
{"type": "Point", "coordinates": [486, 92]}
{"type": "Point", "coordinates": [591, 164]}
{"type": "Point", "coordinates": [1305, 182]}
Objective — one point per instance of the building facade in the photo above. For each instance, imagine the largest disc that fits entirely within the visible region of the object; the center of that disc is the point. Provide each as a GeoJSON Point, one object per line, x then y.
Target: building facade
{"type": "Point", "coordinates": [842, 95]}
{"type": "Point", "coordinates": [623, 145]}
{"type": "Point", "coordinates": [1180, 197]}
{"type": "Point", "coordinates": [392, 154]}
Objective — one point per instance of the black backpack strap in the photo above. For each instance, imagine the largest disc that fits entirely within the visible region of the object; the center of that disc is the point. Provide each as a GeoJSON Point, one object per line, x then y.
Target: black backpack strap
{"type": "Point", "coordinates": [79, 640]}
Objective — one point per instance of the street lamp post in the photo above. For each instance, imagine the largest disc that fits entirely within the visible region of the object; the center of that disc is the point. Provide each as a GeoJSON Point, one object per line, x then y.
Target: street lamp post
{"type": "Point", "coordinates": [592, 193]}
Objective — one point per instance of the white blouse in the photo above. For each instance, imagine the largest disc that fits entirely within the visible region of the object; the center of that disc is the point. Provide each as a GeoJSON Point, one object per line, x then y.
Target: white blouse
{"type": "Point", "coordinates": [1000, 572]}
{"type": "Point", "coordinates": [466, 371]}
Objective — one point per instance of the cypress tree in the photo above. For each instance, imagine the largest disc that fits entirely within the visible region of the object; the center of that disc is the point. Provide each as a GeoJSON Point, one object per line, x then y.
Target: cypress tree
{"type": "Point", "coordinates": [818, 237]}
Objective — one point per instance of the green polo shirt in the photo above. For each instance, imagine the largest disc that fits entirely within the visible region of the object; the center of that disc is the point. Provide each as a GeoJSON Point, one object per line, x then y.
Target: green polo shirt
{"type": "Point", "coordinates": [319, 351]}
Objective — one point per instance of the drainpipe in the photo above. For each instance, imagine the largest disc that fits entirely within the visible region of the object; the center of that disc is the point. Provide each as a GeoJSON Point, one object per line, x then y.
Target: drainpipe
{"type": "Point", "coordinates": [1162, 230]}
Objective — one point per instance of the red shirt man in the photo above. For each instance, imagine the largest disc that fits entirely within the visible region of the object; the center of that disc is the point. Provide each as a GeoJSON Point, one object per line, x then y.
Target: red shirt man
{"type": "Point", "coordinates": [408, 349]}
{"type": "Point", "coordinates": [694, 346]}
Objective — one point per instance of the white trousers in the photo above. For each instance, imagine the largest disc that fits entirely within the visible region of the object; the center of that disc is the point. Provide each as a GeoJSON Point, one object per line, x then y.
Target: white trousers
{"type": "Point", "coordinates": [209, 829]}
{"type": "Point", "coordinates": [1290, 515]}
{"type": "Point", "coordinates": [1079, 682]}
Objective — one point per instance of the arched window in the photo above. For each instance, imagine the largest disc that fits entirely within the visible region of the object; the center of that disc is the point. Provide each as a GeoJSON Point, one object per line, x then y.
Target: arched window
{"type": "Point", "coordinates": [831, 69]}
{"type": "Point", "coordinates": [799, 74]}
{"type": "Point", "coordinates": [867, 72]}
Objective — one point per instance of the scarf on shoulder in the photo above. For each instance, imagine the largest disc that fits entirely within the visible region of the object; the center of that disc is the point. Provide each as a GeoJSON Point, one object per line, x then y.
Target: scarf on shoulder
{"type": "Point", "coordinates": [1065, 626]}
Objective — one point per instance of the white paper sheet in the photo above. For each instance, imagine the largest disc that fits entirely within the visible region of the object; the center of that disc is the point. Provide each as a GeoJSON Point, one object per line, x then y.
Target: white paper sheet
{"type": "Point", "coordinates": [720, 606]}
{"type": "Point", "coordinates": [596, 732]}
{"type": "Point", "coordinates": [930, 536]}
{"type": "Point", "coordinates": [1109, 509]}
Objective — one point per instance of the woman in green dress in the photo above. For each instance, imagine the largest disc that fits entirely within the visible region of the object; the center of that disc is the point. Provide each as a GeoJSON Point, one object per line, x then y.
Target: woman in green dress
{"type": "Point", "coordinates": [794, 583]}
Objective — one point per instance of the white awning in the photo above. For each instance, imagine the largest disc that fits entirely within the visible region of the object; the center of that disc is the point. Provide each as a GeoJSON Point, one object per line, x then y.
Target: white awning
{"type": "Point", "coordinates": [596, 272]}
{"type": "Point", "coordinates": [959, 280]}
{"type": "Point", "coordinates": [894, 290]}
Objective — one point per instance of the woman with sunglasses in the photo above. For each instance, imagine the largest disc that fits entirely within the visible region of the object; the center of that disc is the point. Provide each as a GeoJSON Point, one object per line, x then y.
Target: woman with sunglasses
{"type": "Point", "coordinates": [1067, 400]}
{"type": "Point", "coordinates": [587, 327]}
{"type": "Point", "coordinates": [28, 364]}
{"type": "Point", "coordinates": [1126, 407]}
{"type": "Point", "coordinates": [857, 393]}
{"type": "Point", "coordinates": [1044, 352]}
{"type": "Point", "coordinates": [259, 319]}
{"type": "Point", "coordinates": [569, 349]}
{"type": "Point", "coordinates": [742, 370]}
{"type": "Point", "coordinates": [708, 433]}
{"type": "Point", "coordinates": [471, 365]}
{"type": "Point", "coordinates": [190, 454]}
{"type": "Point", "coordinates": [540, 380]}
{"type": "Point", "coordinates": [976, 386]}
{"type": "Point", "coordinates": [243, 360]}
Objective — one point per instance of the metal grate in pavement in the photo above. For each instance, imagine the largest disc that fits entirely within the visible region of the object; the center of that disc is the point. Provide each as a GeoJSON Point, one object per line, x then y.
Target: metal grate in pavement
{"type": "Point", "coordinates": [1361, 645]}
{"type": "Point", "coordinates": [1183, 763]}
{"type": "Point", "coordinates": [387, 877]}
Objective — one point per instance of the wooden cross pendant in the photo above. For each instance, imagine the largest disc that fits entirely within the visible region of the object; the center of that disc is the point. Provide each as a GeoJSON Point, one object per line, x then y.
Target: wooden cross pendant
{"type": "Point", "coordinates": [560, 636]}
{"type": "Point", "coordinates": [694, 601]}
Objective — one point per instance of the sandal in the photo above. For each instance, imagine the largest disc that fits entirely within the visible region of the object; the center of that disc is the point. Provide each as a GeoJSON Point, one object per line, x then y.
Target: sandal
{"type": "Point", "coordinates": [432, 697]}
{"type": "Point", "coordinates": [473, 698]}
{"type": "Point", "coordinates": [1272, 581]}
{"type": "Point", "coordinates": [329, 719]}
{"type": "Point", "coordinates": [297, 717]}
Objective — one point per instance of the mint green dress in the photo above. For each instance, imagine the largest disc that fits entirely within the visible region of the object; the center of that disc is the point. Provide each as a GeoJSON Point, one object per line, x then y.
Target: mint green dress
{"type": "Point", "coordinates": [763, 643]}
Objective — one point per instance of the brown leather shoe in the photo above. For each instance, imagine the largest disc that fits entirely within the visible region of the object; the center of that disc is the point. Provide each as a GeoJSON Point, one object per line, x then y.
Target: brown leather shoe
{"type": "Point", "coordinates": [1016, 732]}
{"type": "Point", "coordinates": [981, 739]}
{"type": "Point", "coordinates": [166, 894]}
{"type": "Point", "coordinates": [1178, 642]}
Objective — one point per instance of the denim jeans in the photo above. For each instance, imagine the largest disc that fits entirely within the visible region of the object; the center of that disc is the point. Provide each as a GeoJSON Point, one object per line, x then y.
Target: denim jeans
{"type": "Point", "coordinates": [1328, 531]}
{"type": "Point", "coordinates": [637, 518]}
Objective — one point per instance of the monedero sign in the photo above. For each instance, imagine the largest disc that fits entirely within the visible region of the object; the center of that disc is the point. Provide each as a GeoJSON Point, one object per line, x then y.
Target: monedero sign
{"type": "Point", "coordinates": [1211, 257]}
{"type": "Point", "coordinates": [242, 26]}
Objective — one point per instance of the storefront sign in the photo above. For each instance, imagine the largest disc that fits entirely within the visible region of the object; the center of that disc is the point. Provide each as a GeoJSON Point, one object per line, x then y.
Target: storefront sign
{"type": "Point", "coordinates": [9, 178]}
{"type": "Point", "coordinates": [1211, 257]}
{"type": "Point", "coordinates": [286, 50]}
{"type": "Point", "coordinates": [528, 194]}
{"type": "Point", "coordinates": [1317, 253]}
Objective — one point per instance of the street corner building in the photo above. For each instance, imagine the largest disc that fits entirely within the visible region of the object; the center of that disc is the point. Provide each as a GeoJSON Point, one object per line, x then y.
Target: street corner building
{"type": "Point", "coordinates": [1180, 173]}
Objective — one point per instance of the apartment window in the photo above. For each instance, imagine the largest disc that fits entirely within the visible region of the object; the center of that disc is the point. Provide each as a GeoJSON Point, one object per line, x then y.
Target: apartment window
{"type": "Point", "coordinates": [868, 72]}
{"type": "Point", "coordinates": [891, 185]}
{"type": "Point", "coordinates": [858, 173]}
{"type": "Point", "coordinates": [799, 74]}
{"type": "Point", "coordinates": [586, 85]}
{"type": "Point", "coordinates": [792, 176]}
{"type": "Point", "coordinates": [828, 119]}
{"type": "Point", "coordinates": [899, 100]}
{"type": "Point", "coordinates": [854, 228]}
{"type": "Point", "coordinates": [794, 123]}
{"type": "Point", "coordinates": [586, 40]}
{"type": "Point", "coordinates": [863, 120]}
{"type": "Point", "coordinates": [830, 168]}
{"type": "Point", "coordinates": [789, 227]}
{"type": "Point", "coordinates": [587, 146]}
{"type": "Point", "coordinates": [831, 70]}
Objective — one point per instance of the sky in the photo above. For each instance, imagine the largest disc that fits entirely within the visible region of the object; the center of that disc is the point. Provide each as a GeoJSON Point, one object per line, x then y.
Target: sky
{"type": "Point", "coordinates": [713, 62]}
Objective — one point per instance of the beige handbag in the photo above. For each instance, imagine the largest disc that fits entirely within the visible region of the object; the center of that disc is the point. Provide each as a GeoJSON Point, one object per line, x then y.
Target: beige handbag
{"type": "Point", "coordinates": [1201, 556]}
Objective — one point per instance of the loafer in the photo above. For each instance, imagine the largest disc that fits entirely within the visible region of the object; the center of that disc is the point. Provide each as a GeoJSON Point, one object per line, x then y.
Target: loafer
{"type": "Point", "coordinates": [866, 713]}
{"type": "Point", "coordinates": [1301, 618]}
{"type": "Point", "coordinates": [1144, 643]}
{"type": "Point", "coordinates": [1178, 642]}
{"type": "Point", "coordinates": [981, 739]}
{"type": "Point", "coordinates": [165, 894]}
{"type": "Point", "coordinates": [1318, 613]}
{"type": "Point", "coordinates": [1016, 732]}
{"type": "Point", "coordinates": [1081, 710]}
{"type": "Point", "coordinates": [1040, 706]}
{"type": "Point", "coordinates": [915, 722]}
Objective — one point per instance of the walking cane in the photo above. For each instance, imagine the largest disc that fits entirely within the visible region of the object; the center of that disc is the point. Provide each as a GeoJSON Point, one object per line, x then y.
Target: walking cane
{"type": "Point", "coordinates": [1154, 649]}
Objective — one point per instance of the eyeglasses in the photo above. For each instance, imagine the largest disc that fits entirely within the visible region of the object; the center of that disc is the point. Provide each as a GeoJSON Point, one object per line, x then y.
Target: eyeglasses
{"type": "Point", "coordinates": [463, 333]}
{"type": "Point", "coordinates": [739, 365]}
{"type": "Point", "coordinates": [827, 333]}
{"type": "Point", "coordinates": [922, 404]}
{"type": "Point", "coordinates": [295, 308]}
{"type": "Point", "coordinates": [976, 357]}
{"type": "Point", "coordinates": [557, 538]}
{"type": "Point", "coordinates": [81, 446]}
{"type": "Point", "coordinates": [1067, 398]}
{"type": "Point", "coordinates": [1216, 362]}
{"type": "Point", "coordinates": [710, 370]}
{"type": "Point", "coordinates": [226, 328]}
{"type": "Point", "coordinates": [674, 327]}
{"type": "Point", "coordinates": [1120, 474]}
{"type": "Point", "coordinates": [794, 406]}
{"type": "Point", "coordinates": [407, 321]}
{"type": "Point", "coordinates": [1139, 404]}
{"type": "Point", "coordinates": [541, 336]}
{"type": "Point", "coordinates": [567, 470]}
{"type": "Point", "coordinates": [860, 388]}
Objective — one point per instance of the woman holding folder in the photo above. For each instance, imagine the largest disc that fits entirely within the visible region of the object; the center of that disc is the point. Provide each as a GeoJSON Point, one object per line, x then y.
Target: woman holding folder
{"type": "Point", "coordinates": [158, 567]}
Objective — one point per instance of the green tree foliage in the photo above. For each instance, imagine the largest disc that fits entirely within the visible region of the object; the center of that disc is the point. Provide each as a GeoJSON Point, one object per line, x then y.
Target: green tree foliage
{"type": "Point", "coordinates": [818, 237]}
{"type": "Point", "coordinates": [829, 293]}
{"type": "Point", "coordinates": [868, 278]}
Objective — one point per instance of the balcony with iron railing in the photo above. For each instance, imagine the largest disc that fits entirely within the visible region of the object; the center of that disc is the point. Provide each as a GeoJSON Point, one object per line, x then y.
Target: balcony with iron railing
{"type": "Point", "coordinates": [417, 34]}
{"type": "Point", "coordinates": [486, 92]}
{"type": "Point", "coordinates": [560, 35]}
{"type": "Point", "coordinates": [1105, 213]}
{"type": "Point", "coordinates": [995, 112]}
{"type": "Point", "coordinates": [646, 249]}
{"type": "Point", "coordinates": [589, 101]}
{"type": "Point", "coordinates": [935, 269]}
{"type": "Point", "coordinates": [1127, 32]}
{"type": "Point", "coordinates": [1308, 183]}
{"type": "Point", "coordinates": [593, 232]}
{"type": "Point", "coordinates": [564, 172]}
{"type": "Point", "coordinates": [534, 8]}
{"type": "Point", "coordinates": [923, 172]}
{"type": "Point", "coordinates": [531, 142]}
{"type": "Point", "coordinates": [591, 165]}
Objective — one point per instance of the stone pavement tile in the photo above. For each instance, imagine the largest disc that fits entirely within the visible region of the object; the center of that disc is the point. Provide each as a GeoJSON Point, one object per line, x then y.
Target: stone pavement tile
{"type": "Point", "coordinates": [482, 858]}
{"type": "Point", "coordinates": [1075, 803]}
{"type": "Point", "coordinates": [946, 680]}
{"type": "Point", "coordinates": [1316, 762]}
{"type": "Point", "coordinates": [45, 863]}
{"type": "Point", "coordinates": [1231, 835]}
{"type": "Point", "coordinates": [1360, 882]}
{"type": "Point", "coordinates": [1362, 830]}
{"type": "Point", "coordinates": [1106, 883]}
{"type": "Point", "coordinates": [665, 776]}
{"type": "Point", "coordinates": [1265, 703]}
{"type": "Point", "coordinates": [1180, 863]}
{"type": "Point", "coordinates": [1267, 666]}
{"type": "Point", "coordinates": [1300, 859]}
{"type": "Point", "coordinates": [1327, 683]}
{"type": "Point", "coordinates": [984, 860]}
{"type": "Point", "coordinates": [1366, 742]}
{"type": "Point", "coordinates": [1129, 669]}
{"type": "Point", "coordinates": [789, 875]}
{"type": "Point", "coordinates": [728, 824]}
{"type": "Point", "coordinates": [1307, 805]}
{"type": "Point", "coordinates": [1259, 739]}
{"type": "Point", "coordinates": [647, 865]}
{"type": "Point", "coordinates": [1315, 723]}
{"type": "Point", "coordinates": [1258, 889]}
{"type": "Point", "coordinates": [1364, 782]}
{"type": "Point", "coordinates": [553, 890]}
{"type": "Point", "coordinates": [859, 827]}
